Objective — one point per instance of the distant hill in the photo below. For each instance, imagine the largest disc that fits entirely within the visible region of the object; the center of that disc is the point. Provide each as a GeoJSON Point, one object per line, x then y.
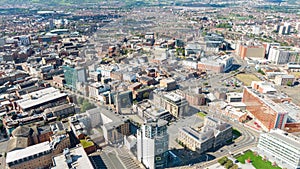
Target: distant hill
{"type": "Point", "coordinates": [48, 1]}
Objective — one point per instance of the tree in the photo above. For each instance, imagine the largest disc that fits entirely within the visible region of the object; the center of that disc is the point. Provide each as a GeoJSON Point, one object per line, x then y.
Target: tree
{"type": "Point", "coordinates": [223, 160]}
{"type": "Point", "coordinates": [235, 167]}
{"type": "Point", "coordinates": [261, 72]}
{"type": "Point", "coordinates": [146, 95]}
{"type": "Point", "coordinates": [86, 105]}
{"type": "Point", "coordinates": [80, 100]}
{"type": "Point", "coordinates": [228, 164]}
{"type": "Point", "coordinates": [289, 83]}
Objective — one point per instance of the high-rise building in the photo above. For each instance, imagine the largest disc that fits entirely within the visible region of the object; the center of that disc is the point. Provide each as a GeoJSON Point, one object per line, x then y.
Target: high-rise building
{"type": "Point", "coordinates": [287, 28]}
{"type": "Point", "coordinates": [282, 30]}
{"type": "Point", "coordinates": [281, 145]}
{"type": "Point", "coordinates": [297, 28]}
{"type": "Point", "coordinates": [280, 55]}
{"type": "Point", "coordinates": [276, 28]}
{"type": "Point", "coordinates": [251, 50]}
{"type": "Point", "coordinates": [74, 75]}
{"type": "Point", "coordinates": [152, 144]}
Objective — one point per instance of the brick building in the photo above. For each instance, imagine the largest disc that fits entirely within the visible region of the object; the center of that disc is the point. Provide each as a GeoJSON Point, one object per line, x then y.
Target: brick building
{"type": "Point", "coordinates": [260, 102]}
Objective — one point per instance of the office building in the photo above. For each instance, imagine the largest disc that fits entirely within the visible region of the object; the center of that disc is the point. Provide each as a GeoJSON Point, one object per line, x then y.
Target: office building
{"type": "Point", "coordinates": [282, 30]}
{"type": "Point", "coordinates": [234, 97]}
{"type": "Point", "coordinates": [212, 135]}
{"type": "Point", "coordinates": [287, 28]}
{"type": "Point", "coordinates": [41, 99]}
{"type": "Point", "coordinates": [264, 104]}
{"type": "Point", "coordinates": [280, 55]}
{"type": "Point", "coordinates": [251, 50]}
{"type": "Point", "coordinates": [172, 102]}
{"type": "Point", "coordinates": [284, 80]}
{"type": "Point", "coordinates": [147, 110]}
{"type": "Point", "coordinates": [218, 64]}
{"type": "Point", "coordinates": [72, 158]}
{"type": "Point", "coordinates": [168, 84]}
{"type": "Point", "coordinates": [114, 127]}
{"type": "Point", "coordinates": [281, 145]}
{"type": "Point", "coordinates": [96, 89]}
{"type": "Point", "coordinates": [152, 144]}
{"type": "Point", "coordinates": [73, 75]}
{"type": "Point", "coordinates": [38, 155]}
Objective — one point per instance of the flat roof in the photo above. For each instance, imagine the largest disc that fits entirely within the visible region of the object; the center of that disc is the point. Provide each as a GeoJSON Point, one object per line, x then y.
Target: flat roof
{"type": "Point", "coordinates": [174, 97]}
{"type": "Point", "coordinates": [28, 151]}
{"type": "Point", "coordinates": [267, 99]}
{"type": "Point", "coordinates": [80, 160]}
{"type": "Point", "coordinates": [39, 97]}
{"type": "Point", "coordinates": [289, 139]}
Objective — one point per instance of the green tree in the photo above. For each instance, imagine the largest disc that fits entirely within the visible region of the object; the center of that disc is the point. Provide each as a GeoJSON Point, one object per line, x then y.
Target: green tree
{"type": "Point", "coordinates": [146, 95]}
{"type": "Point", "coordinates": [228, 164]}
{"type": "Point", "coordinates": [235, 167]}
{"type": "Point", "coordinates": [86, 105]}
{"type": "Point", "coordinates": [223, 160]}
{"type": "Point", "coordinates": [80, 100]}
{"type": "Point", "coordinates": [261, 72]}
{"type": "Point", "coordinates": [289, 83]}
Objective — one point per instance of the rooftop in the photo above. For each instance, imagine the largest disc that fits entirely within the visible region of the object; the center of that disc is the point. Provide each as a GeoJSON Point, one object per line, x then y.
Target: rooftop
{"type": "Point", "coordinates": [78, 159]}
{"type": "Point", "coordinates": [285, 138]}
{"type": "Point", "coordinates": [268, 99]}
{"type": "Point", "coordinates": [28, 151]}
{"type": "Point", "coordinates": [40, 97]}
{"type": "Point", "coordinates": [174, 97]}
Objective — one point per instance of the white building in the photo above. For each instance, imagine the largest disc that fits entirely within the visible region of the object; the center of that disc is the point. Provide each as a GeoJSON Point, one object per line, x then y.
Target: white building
{"type": "Point", "coordinates": [96, 89]}
{"type": "Point", "coordinates": [190, 64]}
{"type": "Point", "coordinates": [297, 28]}
{"type": "Point", "coordinates": [281, 30]}
{"type": "Point", "coordinates": [285, 147]}
{"type": "Point", "coordinates": [72, 158]}
{"type": "Point", "coordinates": [256, 30]}
{"type": "Point", "coordinates": [279, 55]}
{"type": "Point", "coordinates": [152, 144]}
{"type": "Point", "coordinates": [284, 79]}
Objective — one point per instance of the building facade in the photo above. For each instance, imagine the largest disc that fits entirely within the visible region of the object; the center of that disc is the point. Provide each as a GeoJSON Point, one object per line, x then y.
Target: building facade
{"type": "Point", "coordinates": [172, 102]}
{"type": "Point", "coordinates": [283, 146]}
{"type": "Point", "coordinates": [262, 107]}
{"type": "Point", "coordinates": [213, 134]}
{"type": "Point", "coordinates": [152, 144]}
{"type": "Point", "coordinates": [74, 75]}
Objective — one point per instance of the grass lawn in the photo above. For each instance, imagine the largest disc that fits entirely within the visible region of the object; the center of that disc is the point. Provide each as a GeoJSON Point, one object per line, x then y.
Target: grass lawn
{"type": "Point", "coordinates": [86, 143]}
{"type": "Point", "coordinates": [257, 161]}
{"type": "Point", "coordinates": [236, 133]}
{"type": "Point", "coordinates": [247, 78]}
{"type": "Point", "coordinates": [201, 114]}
